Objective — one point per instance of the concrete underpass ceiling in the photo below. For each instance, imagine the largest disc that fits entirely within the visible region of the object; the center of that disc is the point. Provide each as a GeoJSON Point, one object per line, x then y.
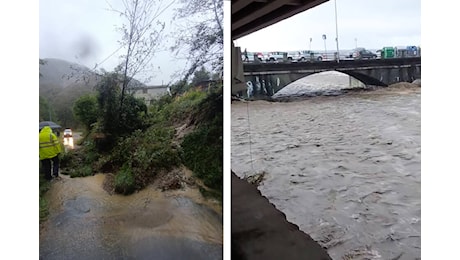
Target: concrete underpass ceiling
{"type": "Point", "coordinates": [249, 16]}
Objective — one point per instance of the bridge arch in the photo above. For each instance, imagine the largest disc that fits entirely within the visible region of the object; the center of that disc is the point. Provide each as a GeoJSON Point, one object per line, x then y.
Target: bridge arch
{"type": "Point", "coordinates": [267, 85]}
{"type": "Point", "coordinates": [366, 79]}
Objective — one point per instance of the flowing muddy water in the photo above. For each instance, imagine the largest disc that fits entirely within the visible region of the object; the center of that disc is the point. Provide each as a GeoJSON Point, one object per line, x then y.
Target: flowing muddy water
{"type": "Point", "coordinates": [86, 222]}
{"type": "Point", "coordinates": [345, 169]}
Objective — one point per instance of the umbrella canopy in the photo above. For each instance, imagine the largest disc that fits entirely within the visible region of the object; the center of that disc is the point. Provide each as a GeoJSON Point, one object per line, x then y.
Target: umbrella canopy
{"type": "Point", "coordinates": [50, 124]}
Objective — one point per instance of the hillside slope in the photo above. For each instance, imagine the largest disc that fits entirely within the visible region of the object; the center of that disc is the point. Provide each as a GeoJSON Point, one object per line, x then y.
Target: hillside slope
{"type": "Point", "coordinates": [63, 74]}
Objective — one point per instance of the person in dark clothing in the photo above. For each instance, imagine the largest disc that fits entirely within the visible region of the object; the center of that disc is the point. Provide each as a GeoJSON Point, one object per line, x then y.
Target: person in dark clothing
{"type": "Point", "coordinates": [246, 58]}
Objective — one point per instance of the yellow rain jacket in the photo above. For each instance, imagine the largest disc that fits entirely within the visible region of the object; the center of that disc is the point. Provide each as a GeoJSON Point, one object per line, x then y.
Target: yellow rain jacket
{"type": "Point", "coordinates": [49, 144]}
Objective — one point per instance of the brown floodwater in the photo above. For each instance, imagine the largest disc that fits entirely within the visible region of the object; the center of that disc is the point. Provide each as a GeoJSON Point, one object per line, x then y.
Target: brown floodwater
{"type": "Point", "coordinates": [86, 222]}
{"type": "Point", "coordinates": [346, 169]}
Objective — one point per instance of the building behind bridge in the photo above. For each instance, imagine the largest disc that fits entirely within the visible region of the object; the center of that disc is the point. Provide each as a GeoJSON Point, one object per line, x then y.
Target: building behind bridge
{"type": "Point", "coordinates": [150, 93]}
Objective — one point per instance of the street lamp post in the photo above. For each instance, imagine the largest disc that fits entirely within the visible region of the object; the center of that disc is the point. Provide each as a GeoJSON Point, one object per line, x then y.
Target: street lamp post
{"type": "Point", "coordinates": [336, 32]}
{"type": "Point", "coordinates": [310, 44]}
{"type": "Point", "coordinates": [325, 50]}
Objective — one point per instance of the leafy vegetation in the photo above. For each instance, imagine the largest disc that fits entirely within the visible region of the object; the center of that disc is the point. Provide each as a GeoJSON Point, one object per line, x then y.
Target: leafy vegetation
{"type": "Point", "coordinates": [141, 35]}
{"type": "Point", "coordinates": [46, 111]}
{"type": "Point", "coordinates": [146, 142]}
{"type": "Point", "coordinates": [200, 38]}
{"type": "Point", "coordinates": [44, 186]}
{"type": "Point", "coordinates": [79, 163]}
{"type": "Point", "coordinates": [124, 180]}
{"type": "Point", "coordinates": [85, 110]}
{"type": "Point", "coordinates": [200, 76]}
{"type": "Point", "coordinates": [203, 148]}
{"type": "Point", "coordinates": [146, 154]}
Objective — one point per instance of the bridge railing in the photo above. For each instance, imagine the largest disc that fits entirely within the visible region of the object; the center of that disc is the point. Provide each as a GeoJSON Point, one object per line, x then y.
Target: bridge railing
{"type": "Point", "coordinates": [270, 68]}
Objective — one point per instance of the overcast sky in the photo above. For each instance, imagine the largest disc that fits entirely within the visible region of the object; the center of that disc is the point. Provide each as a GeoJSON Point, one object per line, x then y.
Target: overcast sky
{"type": "Point", "coordinates": [374, 24]}
{"type": "Point", "coordinates": [84, 32]}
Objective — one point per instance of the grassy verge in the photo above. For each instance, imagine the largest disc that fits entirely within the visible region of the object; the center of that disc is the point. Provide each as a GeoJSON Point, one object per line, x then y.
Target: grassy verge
{"type": "Point", "coordinates": [44, 186]}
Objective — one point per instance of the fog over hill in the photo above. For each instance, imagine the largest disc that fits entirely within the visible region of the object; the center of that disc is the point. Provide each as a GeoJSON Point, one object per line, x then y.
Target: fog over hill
{"type": "Point", "coordinates": [59, 73]}
{"type": "Point", "coordinates": [63, 74]}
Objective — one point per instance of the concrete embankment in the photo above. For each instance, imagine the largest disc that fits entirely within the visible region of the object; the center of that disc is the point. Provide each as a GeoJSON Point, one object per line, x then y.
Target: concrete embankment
{"type": "Point", "coordinates": [260, 231]}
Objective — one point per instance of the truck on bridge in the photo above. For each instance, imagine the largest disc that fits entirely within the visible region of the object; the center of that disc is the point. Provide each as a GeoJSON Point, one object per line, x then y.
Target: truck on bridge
{"type": "Point", "coordinates": [400, 52]}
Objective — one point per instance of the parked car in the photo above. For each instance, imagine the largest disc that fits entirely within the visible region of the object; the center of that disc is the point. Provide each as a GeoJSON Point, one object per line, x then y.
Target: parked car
{"type": "Point", "coordinates": [276, 56]}
{"type": "Point", "coordinates": [260, 55]}
{"type": "Point", "coordinates": [293, 56]}
{"type": "Point", "coordinates": [361, 53]}
{"type": "Point", "coordinates": [67, 132]}
{"type": "Point", "coordinates": [310, 56]}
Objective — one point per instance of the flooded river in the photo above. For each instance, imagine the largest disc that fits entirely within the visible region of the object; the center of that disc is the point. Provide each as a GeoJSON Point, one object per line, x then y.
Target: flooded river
{"type": "Point", "coordinates": [86, 222]}
{"type": "Point", "coordinates": [345, 169]}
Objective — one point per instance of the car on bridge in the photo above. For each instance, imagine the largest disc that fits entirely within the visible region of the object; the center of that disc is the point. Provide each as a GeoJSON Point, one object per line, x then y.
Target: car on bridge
{"type": "Point", "coordinates": [310, 56]}
{"type": "Point", "coordinates": [259, 55]}
{"type": "Point", "coordinates": [293, 56]}
{"type": "Point", "coordinates": [362, 53]}
{"type": "Point", "coordinates": [276, 56]}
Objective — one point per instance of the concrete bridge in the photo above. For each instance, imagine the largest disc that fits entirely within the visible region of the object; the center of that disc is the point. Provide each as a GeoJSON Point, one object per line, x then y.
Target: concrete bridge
{"type": "Point", "coordinates": [269, 78]}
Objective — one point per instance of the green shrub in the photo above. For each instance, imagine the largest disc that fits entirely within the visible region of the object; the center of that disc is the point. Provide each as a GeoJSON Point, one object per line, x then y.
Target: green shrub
{"type": "Point", "coordinates": [124, 181]}
{"type": "Point", "coordinates": [147, 153]}
{"type": "Point", "coordinates": [91, 156]}
{"type": "Point", "coordinates": [86, 110]}
{"type": "Point", "coordinates": [202, 152]}
{"type": "Point", "coordinates": [44, 186]}
{"type": "Point", "coordinates": [159, 104]}
{"type": "Point", "coordinates": [79, 162]}
{"type": "Point", "coordinates": [168, 110]}
{"type": "Point", "coordinates": [67, 159]}
{"type": "Point", "coordinates": [44, 212]}
{"type": "Point", "coordinates": [82, 171]}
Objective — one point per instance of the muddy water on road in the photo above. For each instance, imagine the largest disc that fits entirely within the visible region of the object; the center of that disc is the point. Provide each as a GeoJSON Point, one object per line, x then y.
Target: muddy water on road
{"type": "Point", "coordinates": [86, 222]}
{"type": "Point", "coordinates": [346, 169]}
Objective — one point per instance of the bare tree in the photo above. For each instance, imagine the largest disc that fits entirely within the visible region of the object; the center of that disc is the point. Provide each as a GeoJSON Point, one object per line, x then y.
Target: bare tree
{"type": "Point", "coordinates": [141, 37]}
{"type": "Point", "coordinates": [200, 34]}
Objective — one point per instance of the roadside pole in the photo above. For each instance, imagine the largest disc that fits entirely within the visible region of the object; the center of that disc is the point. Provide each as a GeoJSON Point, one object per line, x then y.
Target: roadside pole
{"type": "Point", "coordinates": [325, 49]}
{"type": "Point", "coordinates": [336, 32]}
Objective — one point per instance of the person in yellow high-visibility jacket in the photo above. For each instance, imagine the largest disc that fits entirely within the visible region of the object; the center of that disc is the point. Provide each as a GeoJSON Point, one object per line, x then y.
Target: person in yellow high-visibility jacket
{"type": "Point", "coordinates": [50, 148]}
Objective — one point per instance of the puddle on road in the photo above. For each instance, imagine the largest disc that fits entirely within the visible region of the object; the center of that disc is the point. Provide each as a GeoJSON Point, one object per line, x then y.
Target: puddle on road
{"type": "Point", "coordinates": [86, 222]}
